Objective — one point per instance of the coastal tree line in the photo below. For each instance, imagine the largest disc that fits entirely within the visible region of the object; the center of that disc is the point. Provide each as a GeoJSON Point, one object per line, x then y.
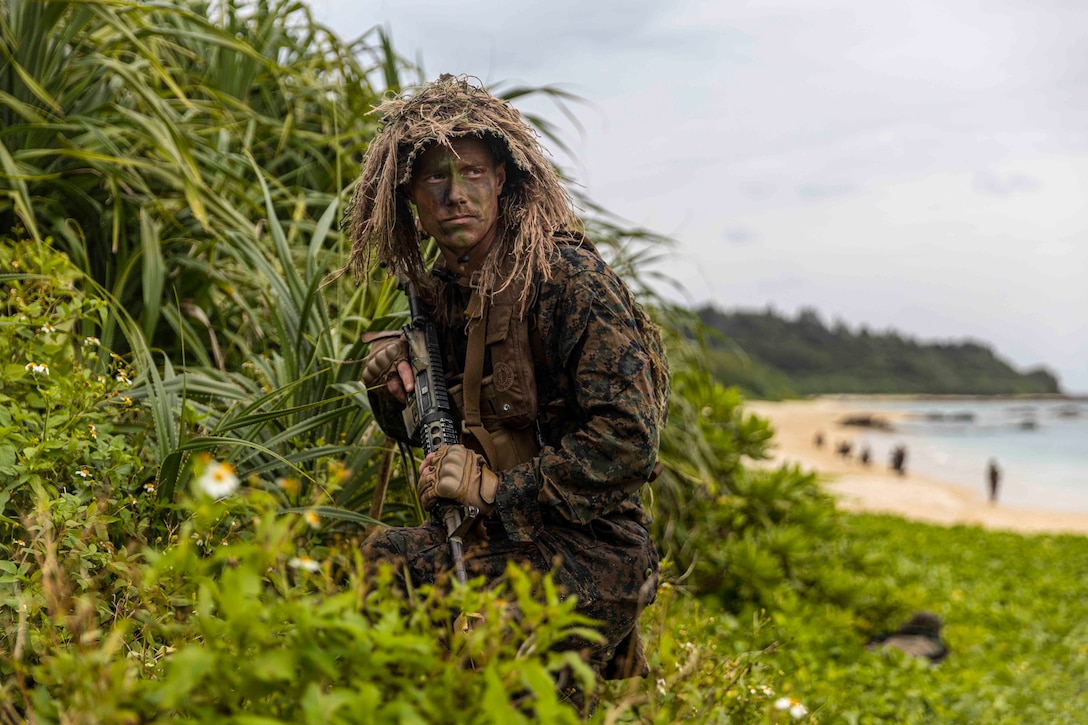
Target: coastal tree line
{"type": "Point", "coordinates": [771, 355]}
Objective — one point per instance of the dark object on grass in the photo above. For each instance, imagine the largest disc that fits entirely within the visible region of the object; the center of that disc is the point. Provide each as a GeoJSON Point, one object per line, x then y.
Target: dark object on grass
{"type": "Point", "coordinates": [919, 637]}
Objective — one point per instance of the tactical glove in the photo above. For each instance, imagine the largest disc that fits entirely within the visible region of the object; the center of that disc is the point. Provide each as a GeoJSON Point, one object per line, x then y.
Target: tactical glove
{"type": "Point", "coordinates": [461, 475]}
{"type": "Point", "coordinates": [388, 349]}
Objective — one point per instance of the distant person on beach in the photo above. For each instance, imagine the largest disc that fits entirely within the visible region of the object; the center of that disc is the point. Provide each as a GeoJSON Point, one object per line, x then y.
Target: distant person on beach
{"type": "Point", "coordinates": [818, 441]}
{"type": "Point", "coordinates": [844, 449]}
{"type": "Point", "coordinates": [866, 456]}
{"type": "Point", "coordinates": [899, 459]}
{"type": "Point", "coordinates": [993, 473]}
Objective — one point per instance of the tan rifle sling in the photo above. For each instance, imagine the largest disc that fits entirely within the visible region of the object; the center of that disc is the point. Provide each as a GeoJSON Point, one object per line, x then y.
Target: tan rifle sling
{"type": "Point", "coordinates": [474, 373]}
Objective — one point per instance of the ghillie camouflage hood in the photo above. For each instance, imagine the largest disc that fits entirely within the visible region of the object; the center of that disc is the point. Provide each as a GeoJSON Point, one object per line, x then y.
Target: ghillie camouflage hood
{"type": "Point", "coordinates": [532, 206]}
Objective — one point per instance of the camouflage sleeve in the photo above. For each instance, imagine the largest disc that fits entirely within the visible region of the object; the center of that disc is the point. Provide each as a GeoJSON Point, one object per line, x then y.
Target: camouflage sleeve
{"type": "Point", "coordinates": [609, 443]}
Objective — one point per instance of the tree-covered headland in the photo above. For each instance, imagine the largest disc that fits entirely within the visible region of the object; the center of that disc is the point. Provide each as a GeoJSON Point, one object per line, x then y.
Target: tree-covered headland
{"type": "Point", "coordinates": [771, 355]}
{"type": "Point", "coordinates": [188, 461]}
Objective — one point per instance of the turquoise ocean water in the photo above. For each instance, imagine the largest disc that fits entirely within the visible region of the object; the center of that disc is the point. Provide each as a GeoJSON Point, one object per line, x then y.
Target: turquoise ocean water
{"type": "Point", "coordinates": [1041, 446]}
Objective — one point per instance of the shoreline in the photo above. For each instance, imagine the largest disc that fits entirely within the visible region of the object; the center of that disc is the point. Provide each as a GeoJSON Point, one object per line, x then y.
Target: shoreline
{"type": "Point", "coordinates": [876, 489]}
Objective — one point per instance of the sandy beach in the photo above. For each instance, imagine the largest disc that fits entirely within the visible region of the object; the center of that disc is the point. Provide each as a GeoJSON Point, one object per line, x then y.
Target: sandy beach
{"type": "Point", "coordinates": [877, 489]}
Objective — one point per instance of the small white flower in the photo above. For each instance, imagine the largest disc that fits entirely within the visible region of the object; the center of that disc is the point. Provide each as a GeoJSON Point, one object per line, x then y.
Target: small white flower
{"type": "Point", "coordinates": [89, 341]}
{"type": "Point", "coordinates": [123, 379]}
{"type": "Point", "coordinates": [149, 487]}
{"type": "Point", "coordinates": [305, 563]}
{"type": "Point", "coordinates": [312, 519]}
{"type": "Point", "coordinates": [83, 473]}
{"type": "Point", "coordinates": [48, 329]}
{"type": "Point", "coordinates": [218, 480]}
{"type": "Point", "coordinates": [797, 710]}
{"type": "Point", "coordinates": [661, 686]}
{"type": "Point", "coordinates": [92, 430]}
{"type": "Point", "coordinates": [37, 368]}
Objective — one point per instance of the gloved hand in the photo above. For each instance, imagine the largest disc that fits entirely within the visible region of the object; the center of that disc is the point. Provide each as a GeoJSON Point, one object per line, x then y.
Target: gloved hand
{"type": "Point", "coordinates": [459, 474]}
{"type": "Point", "coordinates": [387, 363]}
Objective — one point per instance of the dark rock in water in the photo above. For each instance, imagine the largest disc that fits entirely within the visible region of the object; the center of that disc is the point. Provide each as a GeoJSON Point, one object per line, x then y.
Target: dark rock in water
{"type": "Point", "coordinates": [866, 421]}
{"type": "Point", "coordinates": [919, 637]}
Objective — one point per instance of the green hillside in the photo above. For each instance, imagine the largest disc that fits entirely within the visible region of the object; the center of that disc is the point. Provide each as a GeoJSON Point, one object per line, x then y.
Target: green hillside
{"type": "Point", "coordinates": [770, 355]}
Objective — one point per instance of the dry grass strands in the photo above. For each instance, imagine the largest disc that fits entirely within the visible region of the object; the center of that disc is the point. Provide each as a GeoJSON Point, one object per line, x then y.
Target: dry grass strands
{"type": "Point", "coordinates": [533, 204]}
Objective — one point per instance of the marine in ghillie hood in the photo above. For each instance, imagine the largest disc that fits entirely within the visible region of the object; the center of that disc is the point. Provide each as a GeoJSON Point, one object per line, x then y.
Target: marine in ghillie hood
{"type": "Point", "coordinates": [533, 204]}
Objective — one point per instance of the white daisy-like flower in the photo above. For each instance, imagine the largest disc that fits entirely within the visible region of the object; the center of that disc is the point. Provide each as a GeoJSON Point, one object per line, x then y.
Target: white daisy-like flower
{"type": "Point", "coordinates": [37, 368]}
{"type": "Point", "coordinates": [84, 472]}
{"type": "Point", "coordinates": [797, 710]}
{"type": "Point", "coordinates": [48, 329]}
{"type": "Point", "coordinates": [123, 379]}
{"type": "Point", "coordinates": [305, 563]}
{"type": "Point", "coordinates": [313, 519]}
{"type": "Point", "coordinates": [218, 480]}
{"type": "Point", "coordinates": [92, 430]}
{"type": "Point", "coordinates": [91, 341]}
{"type": "Point", "coordinates": [149, 487]}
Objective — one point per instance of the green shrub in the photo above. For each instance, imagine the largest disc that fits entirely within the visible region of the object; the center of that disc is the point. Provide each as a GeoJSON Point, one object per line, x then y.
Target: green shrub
{"type": "Point", "coordinates": [245, 615]}
{"type": "Point", "coordinates": [68, 428]}
{"type": "Point", "coordinates": [746, 537]}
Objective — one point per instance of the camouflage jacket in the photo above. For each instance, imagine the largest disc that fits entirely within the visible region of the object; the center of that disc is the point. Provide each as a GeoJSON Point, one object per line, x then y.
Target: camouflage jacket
{"type": "Point", "coordinates": [596, 400]}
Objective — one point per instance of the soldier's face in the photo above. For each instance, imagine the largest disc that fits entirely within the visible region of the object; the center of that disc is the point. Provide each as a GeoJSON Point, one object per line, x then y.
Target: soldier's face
{"type": "Point", "coordinates": [456, 193]}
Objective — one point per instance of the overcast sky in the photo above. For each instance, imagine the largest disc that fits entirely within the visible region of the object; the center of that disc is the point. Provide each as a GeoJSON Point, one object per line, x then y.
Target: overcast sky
{"type": "Point", "coordinates": [921, 166]}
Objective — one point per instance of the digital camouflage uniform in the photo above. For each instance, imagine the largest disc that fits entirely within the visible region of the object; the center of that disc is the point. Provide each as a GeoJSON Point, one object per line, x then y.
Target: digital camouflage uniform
{"type": "Point", "coordinates": [573, 509]}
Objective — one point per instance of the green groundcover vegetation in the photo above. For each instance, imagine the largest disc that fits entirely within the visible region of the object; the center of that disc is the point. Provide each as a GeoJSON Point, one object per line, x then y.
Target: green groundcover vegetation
{"type": "Point", "coordinates": [171, 323]}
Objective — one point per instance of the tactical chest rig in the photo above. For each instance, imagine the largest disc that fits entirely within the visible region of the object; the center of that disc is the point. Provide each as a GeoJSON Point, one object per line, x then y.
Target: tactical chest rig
{"type": "Point", "coordinates": [499, 409]}
{"type": "Point", "coordinates": [499, 402]}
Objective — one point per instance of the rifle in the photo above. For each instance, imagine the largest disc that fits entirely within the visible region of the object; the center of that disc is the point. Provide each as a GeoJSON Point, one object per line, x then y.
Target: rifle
{"type": "Point", "coordinates": [432, 416]}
